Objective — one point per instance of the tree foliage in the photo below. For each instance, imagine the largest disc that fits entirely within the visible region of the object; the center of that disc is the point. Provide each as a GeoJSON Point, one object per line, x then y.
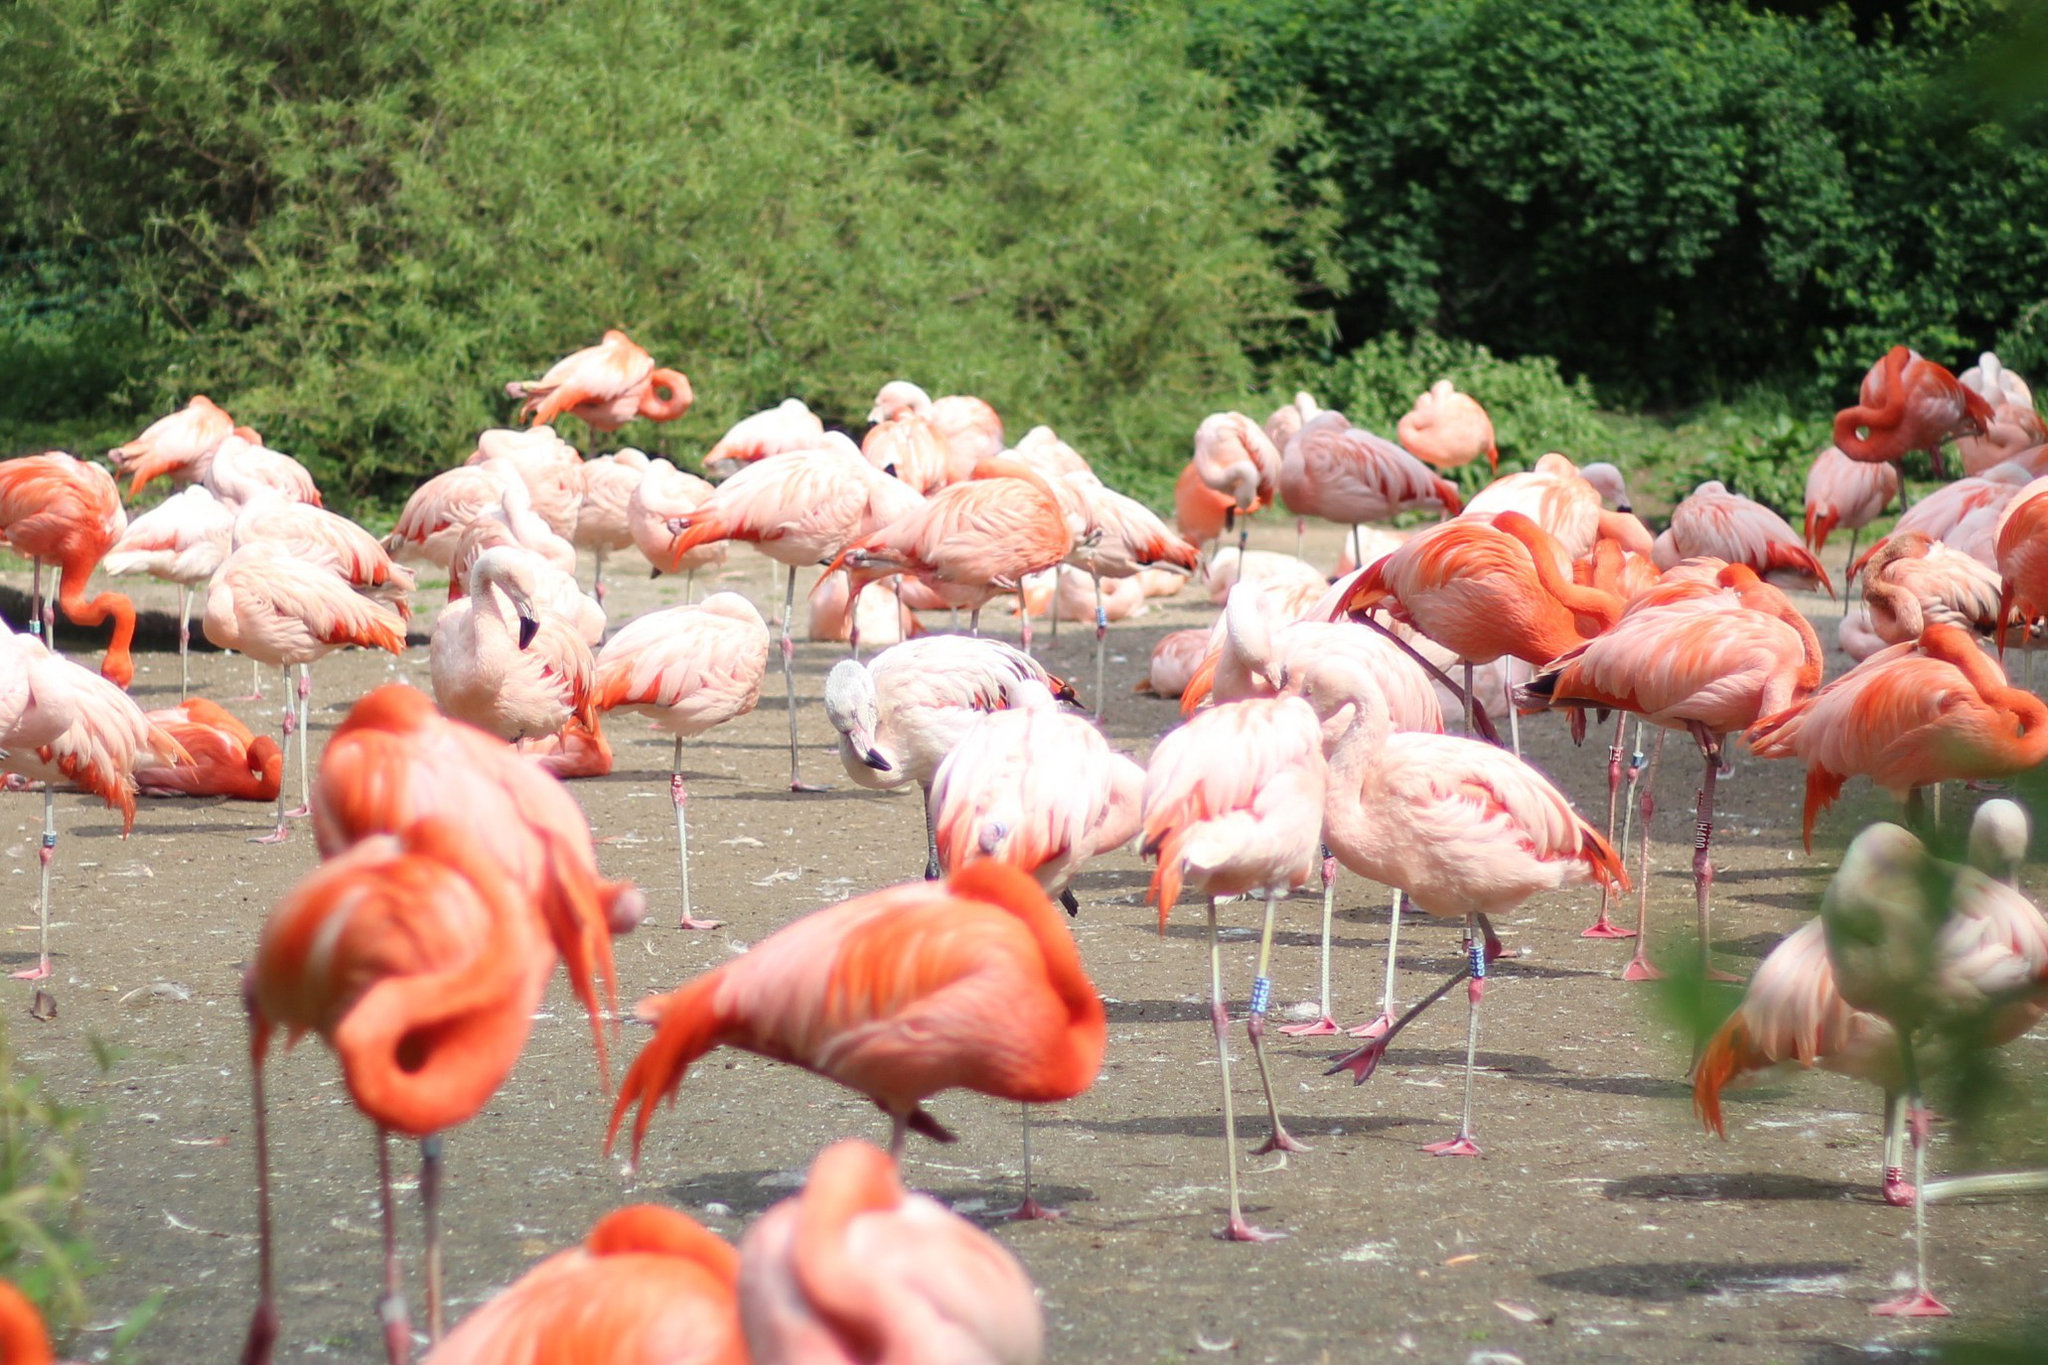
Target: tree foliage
{"type": "Point", "coordinates": [354, 219]}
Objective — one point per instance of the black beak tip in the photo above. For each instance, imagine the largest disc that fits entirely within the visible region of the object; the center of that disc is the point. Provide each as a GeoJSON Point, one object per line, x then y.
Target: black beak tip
{"type": "Point", "coordinates": [528, 628]}
{"type": "Point", "coordinates": [873, 758]}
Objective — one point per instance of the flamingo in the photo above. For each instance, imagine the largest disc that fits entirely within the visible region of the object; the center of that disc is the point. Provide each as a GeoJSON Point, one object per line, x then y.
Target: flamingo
{"type": "Point", "coordinates": [1908, 403]}
{"type": "Point", "coordinates": [1174, 661]}
{"type": "Point", "coordinates": [1235, 459]}
{"type": "Point", "coordinates": [1792, 1012]}
{"type": "Point", "coordinates": [799, 508]}
{"type": "Point", "coordinates": [1933, 710]}
{"type": "Point", "coordinates": [899, 714]}
{"type": "Point", "coordinates": [1566, 501]}
{"type": "Point", "coordinates": [664, 493]}
{"type": "Point", "coordinates": [1117, 537]}
{"type": "Point", "coordinates": [180, 445]}
{"type": "Point", "coordinates": [2020, 541]}
{"type": "Point", "coordinates": [788, 426]}
{"type": "Point", "coordinates": [1345, 474]}
{"type": "Point", "coordinates": [242, 469]}
{"type": "Point", "coordinates": [317, 536]}
{"type": "Point", "coordinates": [884, 619]}
{"type": "Point", "coordinates": [549, 467]}
{"type": "Point", "coordinates": [603, 516]}
{"type": "Point", "coordinates": [1447, 429]}
{"type": "Point", "coordinates": [970, 428]}
{"type": "Point", "coordinates": [281, 611]}
{"type": "Point", "coordinates": [515, 681]}
{"type": "Point", "coordinates": [691, 668]}
{"type": "Point", "coordinates": [909, 446]}
{"type": "Point", "coordinates": [899, 994]}
{"type": "Point", "coordinates": [648, 1284]}
{"type": "Point", "coordinates": [1714, 522]}
{"type": "Point", "coordinates": [2015, 427]}
{"type": "Point", "coordinates": [1845, 492]}
{"type": "Point", "coordinates": [1709, 652]}
{"type": "Point", "coordinates": [415, 960]}
{"type": "Point", "coordinates": [1295, 578]}
{"type": "Point", "coordinates": [439, 510]}
{"type": "Point", "coordinates": [971, 541]}
{"type": "Point", "coordinates": [1909, 580]}
{"type": "Point", "coordinates": [57, 508]}
{"type": "Point", "coordinates": [23, 1338]}
{"type": "Point", "coordinates": [1289, 418]}
{"type": "Point", "coordinates": [514, 521]}
{"type": "Point", "coordinates": [63, 725]}
{"type": "Point", "coordinates": [1462, 827]}
{"type": "Point", "coordinates": [1200, 513]}
{"type": "Point", "coordinates": [1042, 449]}
{"type": "Point", "coordinates": [607, 385]}
{"type": "Point", "coordinates": [183, 539]}
{"type": "Point", "coordinates": [223, 758]}
{"type": "Point", "coordinates": [1232, 805]}
{"type": "Point", "coordinates": [857, 1268]}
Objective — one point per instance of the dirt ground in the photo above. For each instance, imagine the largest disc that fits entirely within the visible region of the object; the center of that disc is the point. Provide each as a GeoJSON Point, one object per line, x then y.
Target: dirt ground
{"type": "Point", "coordinates": [1600, 1209]}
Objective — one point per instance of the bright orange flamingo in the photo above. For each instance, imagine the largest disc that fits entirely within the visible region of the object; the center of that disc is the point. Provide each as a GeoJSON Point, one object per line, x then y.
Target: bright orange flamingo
{"type": "Point", "coordinates": [226, 758]}
{"type": "Point", "coordinates": [856, 1268]}
{"type": "Point", "coordinates": [1908, 403]}
{"type": "Point", "coordinates": [691, 669]}
{"type": "Point", "coordinates": [180, 445]}
{"type": "Point", "coordinates": [2020, 542]}
{"type": "Point", "coordinates": [1447, 429]}
{"type": "Point", "coordinates": [1845, 492]}
{"type": "Point", "coordinates": [900, 994]}
{"type": "Point", "coordinates": [1233, 803]}
{"type": "Point", "coordinates": [1465, 829]}
{"type": "Point", "coordinates": [799, 509]}
{"type": "Point", "coordinates": [1200, 512]}
{"type": "Point", "coordinates": [1935, 710]}
{"type": "Point", "coordinates": [23, 1338]}
{"type": "Point", "coordinates": [1708, 652]}
{"type": "Point", "coordinates": [57, 508]}
{"type": "Point", "coordinates": [607, 385]}
{"type": "Point", "coordinates": [1714, 522]}
{"type": "Point", "coordinates": [416, 961]}
{"type": "Point", "coordinates": [1793, 1015]}
{"type": "Point", "coordinates": [648, 1284]}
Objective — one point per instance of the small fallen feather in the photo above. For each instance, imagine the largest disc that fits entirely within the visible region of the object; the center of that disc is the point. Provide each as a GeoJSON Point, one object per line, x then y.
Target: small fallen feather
{"type": "Point", "coordinates": [1493, 1358]}
{"type": "Point", "coordinates": [183, 1226]}
{"type": "Point", "coordinates": [162, 990]}
{"type": "Point", "coordinates": [1522, 1312]}
{"type": "Point", "coordinates": [1465, 1259]}
{"type": "Point", "coordinates": [1208, 1345]}
{"type": "Point", "coordinates": [741, 841]}
{"type": "Point", "coordinates": [201, 1142]}
{"type": "Point", "coordinates": [788, 875]}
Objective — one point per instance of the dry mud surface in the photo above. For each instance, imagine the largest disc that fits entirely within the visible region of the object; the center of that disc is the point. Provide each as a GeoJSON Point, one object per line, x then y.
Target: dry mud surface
{"type": "Point", "coordinates": [1600, 1209]}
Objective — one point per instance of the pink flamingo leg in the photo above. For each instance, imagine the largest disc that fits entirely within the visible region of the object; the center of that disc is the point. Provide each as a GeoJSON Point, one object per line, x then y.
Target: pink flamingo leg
{"type": "Point", "coordinates": [41, 971]}
{"type": "Point", "coordinates": [1604, 927]}
{"type": "Point", "coordinates": [283, 831]}
{"type": "Point", "coordinates": [1702, 861]}
{"type": "Point", "coordinates": [1236, 1230]}
{"type": "Point", "coordinates": [1255, 1025]}
{"type": "Point", "coordinates": [1325, 1026]}
{"type": "Point", "coordinates": [1920, 1303]}
{"type": "Point", "coordinates": [1475, 990]}
{"type": "Point", "coordinates": [1386, 1021]}
{"type": "Point", "coordinates": [391, 1310]}
{"type": "Point", "coordinates": [256, 1347]}
{"type": "Point", "coordinates": [1029, 1209]}
{"type": "Point", "coordinates": [1898, 1191]}
{"type": "Point", "coordinates": [305, 806]}
{"type": "Point", "coordinates": [681, 800]}
{"type": "Point", "coordinates": [430, 1218]}
{"type": "Point", "coordinates": [796, 783]}
{"type": "Point", "coordinates": [1639, 968]}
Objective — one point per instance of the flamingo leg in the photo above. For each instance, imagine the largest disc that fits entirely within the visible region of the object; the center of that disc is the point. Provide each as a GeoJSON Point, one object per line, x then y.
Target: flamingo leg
{"type": "Point", "coordinates": [1702, 859]}
{"type": "Point", "coordinates": [1024, 630]}
{"type": "Point", "coordinates": [1029, 1209]}
{"type": "Point", "coordinates": [430, 1218]}
{"type": "Point", "coordinates": [184, 640]}
{"type": "Point", "coordinates": [262, 1336]}
{"type": "Point", "coordinates": [1639, 968]}
{"type": "Point", "coordinates": [597, 591]}
{"type": "Point", "coordinates": [1101, 642]}
{"type": "Point", "coordinates": [41, 971]}
{"type": "Point", "coordinates": [1468, 700]}
{"type": "Point", "coordinates": [932, 871]}
{"type": "Point", "coordinates": [1475, 990]}
{"type": "Point", "coordinates": [853, 616]}
{"type": "Point", "coordinates": [35, 600]}
{"type": "Point", "coordinates": [1920, 1303]}
{"type": "Point", "coordinates": [1514, 712]}
{"type": "Point", "coordinates": [1325, 1025]}
{"type": "Point", "coordinates": [973, 621]}
{"type": "Point", "coordinates": [1896, 1191]}
{"type": "Point", "coordinates": [1603, 927]}
{"type": "Point", "coordinates": [690, 586]}
{"type": "Point", "coordinates": [1255, 1026]}
{"type": "Point", "coordinates": [290, 723]}
{"type": "Point", "coordinates": [1054, 609]}
{"type": "Point", "coordinates": [305, 740]}
{"type": "Point", "coordinates": [899, 1128]}
{"type": "Point", "coordinates": [1236, 1230]}
{"type": "Point", "coordinates": [1300, 531]}
{"type": "Point", "coordinates": [1852, 560]}
{"type": "Point", "coordinates": [1385, 1022]}
{"type": "Point", "coordinates": [681, 800]}
{"type": "Point", "coordinates": [1361, 1062]}
{"type": "Point", "coordinates": [391, 1309]}
{"type": "Point", "coordinates": [796, 784]}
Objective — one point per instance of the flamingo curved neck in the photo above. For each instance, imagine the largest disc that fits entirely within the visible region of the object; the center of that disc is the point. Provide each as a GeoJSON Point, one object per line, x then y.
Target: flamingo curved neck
{"type": "Point", "coordinates": [657, 409]}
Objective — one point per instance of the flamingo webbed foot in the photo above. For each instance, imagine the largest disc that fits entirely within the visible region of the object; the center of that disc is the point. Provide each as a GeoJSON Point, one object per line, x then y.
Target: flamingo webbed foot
{"type": "Point", "coordinates": [1899, 1192]}
{"type": "Point", "coordinates": [1918, 1304]}
{"type": "Point", "coordinates": [692, 922]}
{"type": "Point", "coordinates": [1377, 1028]}
{"type": "Point", "coordinates": [1461, 1145]}
{"type": "Point", "coordinates": [1283, 1142]}
{"type": "Point", "coordinates": [1639, 969]}
{"type": "Point", "coordinates": [276, 836]}
{"type": "Point", "coordinates": [1606, 928]}
{"type": "Point", "coordinates": [1324, 1027]}
{"type": "Point", "coordinates": [39, 972]}
{"type": "Point", "coordinates": [1360, 1062]}
{"type": "Point", "coordinates": [1031, 1211]}
{"type": "Point", "coordinates": [1237, 1230]}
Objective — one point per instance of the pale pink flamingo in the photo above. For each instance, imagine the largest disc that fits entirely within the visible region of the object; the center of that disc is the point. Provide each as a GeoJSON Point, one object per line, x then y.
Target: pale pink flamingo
{"type": "Point", "coordinates": [513, 521]}
{"type": "Point", "coordinates": [1233, 803]}
{"type": "Point", "coordinates": [1345, 474]}
{"type": "Point", "coordinates": [972, 541]}
{"type": "Point", "coordinates": [182, 540]}
{"type": "Point", "coordinates": [63, 725]}
{"type": "Point", "coordinates": [1845, 492]}
{"type": "Point", "coordinates": [1447, 429]}
{"type": "Point", "coordinates": [1857, 636]}
{"type": "Point", "coordinates": [607, 385]}
{"type": "Point", "coordinates": [242, 469]}
{"type": "Point", "coordinates": [900, 713]}
{"type": "Point", "coordinates": [1366, 545]}
{"type": "Point", "coordinates": [1290, 418]}
{"type": "Point", "coordinates": [884, 619]}
{"type": "Point", "coordinates": [910, 447]}
{"type": "Point", "coordinates": [1910, 580]}
{"type": "Point", "coordinates": [799, 509]}
{"type": "Point", "coordinates": [1042, 449]}
{"type": "Point", "coordinates": [548, 465]}
{"type": "Point", "coordinates": [1117, 537]}
{"type": "Point", "coordinates": [318, 536]}
{"type": "Point", "coordinates": [1065, 593]}
{"type": "Point", "coordinates": [856, 1268]}
{"type": "Point", "coordinates": [1233, 457]}
{"type": "Point", "coordinates": [1713, 522]}
{"type": "Point", "coordinates": [663, 493]}
{"type": "Point", "coordinates": [1463, 828]}
{"type": "Point", "coordinates": [57, 508]}
{"type": "Point", "coordinates": [1708, 655]}
{"type": "Point", "coordinates": [1175, 659]}
{"type": "Point", "coordinates": [1916, 714]}
{"type": "Point", "coordinates": [1939, 512]}
{"type": "Point", "coordinates": [440, 509]}
{"type": "Point", "coordinates": [1792, 1014]}
{"type": "Point", "coordinates": [1908, 403]}
{"type": "Point", "coordinates": [1267, 568]}
{"type": "Point", "coordinates": [1037, 789]}
{"type": "Point", "coordinates": [2015, 427]}
{"type": "Point", "coordinates": [690, 668]}
{"type": "Point", "coordinates": [279, 610]}
{"type": "Point", "coordinates": [1559, 497]}
{"type": "Point", "coordinates": [180, 445]}
{"type": "Point", "coordinates": [503, 661]}
{"type": "Point", "coordinates": [969, 427]}
{"type": "Point", "coordinates": [603, 515]}
{"type": "Point", "coordinates": [554, 587]}
{"type": "Point", "coordinates": [787, 426]}
{"type": "Point", "coordinates": [1976, 535]}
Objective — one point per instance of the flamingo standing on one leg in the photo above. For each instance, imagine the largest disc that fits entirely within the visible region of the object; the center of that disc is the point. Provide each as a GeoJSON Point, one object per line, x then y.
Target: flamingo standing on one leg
{"type": "Point", "coordinates": [603, 516]}
{"type": "Point", "coordinates": [1845, 492]}
{"type": "Point", "coordinates": [799, 508]}
{"type": "Point", "coordinates": [857, 1268]}
{"type": "Point", "coordinates": [281, 611]}
{"type": "Point", "coordinates": [439, 510]}
{"type": "Point", "coordinates": [1234, 459]}
{"type": "Point", "coordinates": [183, 539]}
{"type": "Point", "coordinates": [1232, 804]}
{"type": "Point", "coordinates": [180, 445]}
{"type": "Point", "coordinates": [789, 425]}
{"type": "Point", "coordinates": [503, 661]}
{"type": "Point", "coordinates": [1345, 474]}
{"type": "Point", "coordinates": [664, 493]}
{"type": "Point", "coordinates": [970, 428]}
{"type": "Point", "coordinates": [1709, 656]}
{"type": "Point", "coordinates": [57, 508]}
{"type": "Point", "coordinates": [607, 385]}
{"type": "Point", "coordinates": [1908, 403]}
{"type": "Point", "coordinates": [691, 668]}
{"type": "Point", "coordinates": [1118, 537]}
{"type": "Point", "coordinates": [1910, 580]}
{"type": "Point", "coordinates": [1713, 522]}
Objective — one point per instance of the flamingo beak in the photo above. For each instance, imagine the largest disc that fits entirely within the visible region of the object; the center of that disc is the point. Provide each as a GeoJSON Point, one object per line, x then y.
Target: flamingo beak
{"type": "Point", "coordinates": [528, 628]}
{"type": "Point", "coordinates": [873, 758]}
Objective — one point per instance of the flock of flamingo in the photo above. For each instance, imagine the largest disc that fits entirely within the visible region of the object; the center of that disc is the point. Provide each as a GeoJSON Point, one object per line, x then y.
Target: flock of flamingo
{"type": "Point", "coordinates": [458, 868]}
